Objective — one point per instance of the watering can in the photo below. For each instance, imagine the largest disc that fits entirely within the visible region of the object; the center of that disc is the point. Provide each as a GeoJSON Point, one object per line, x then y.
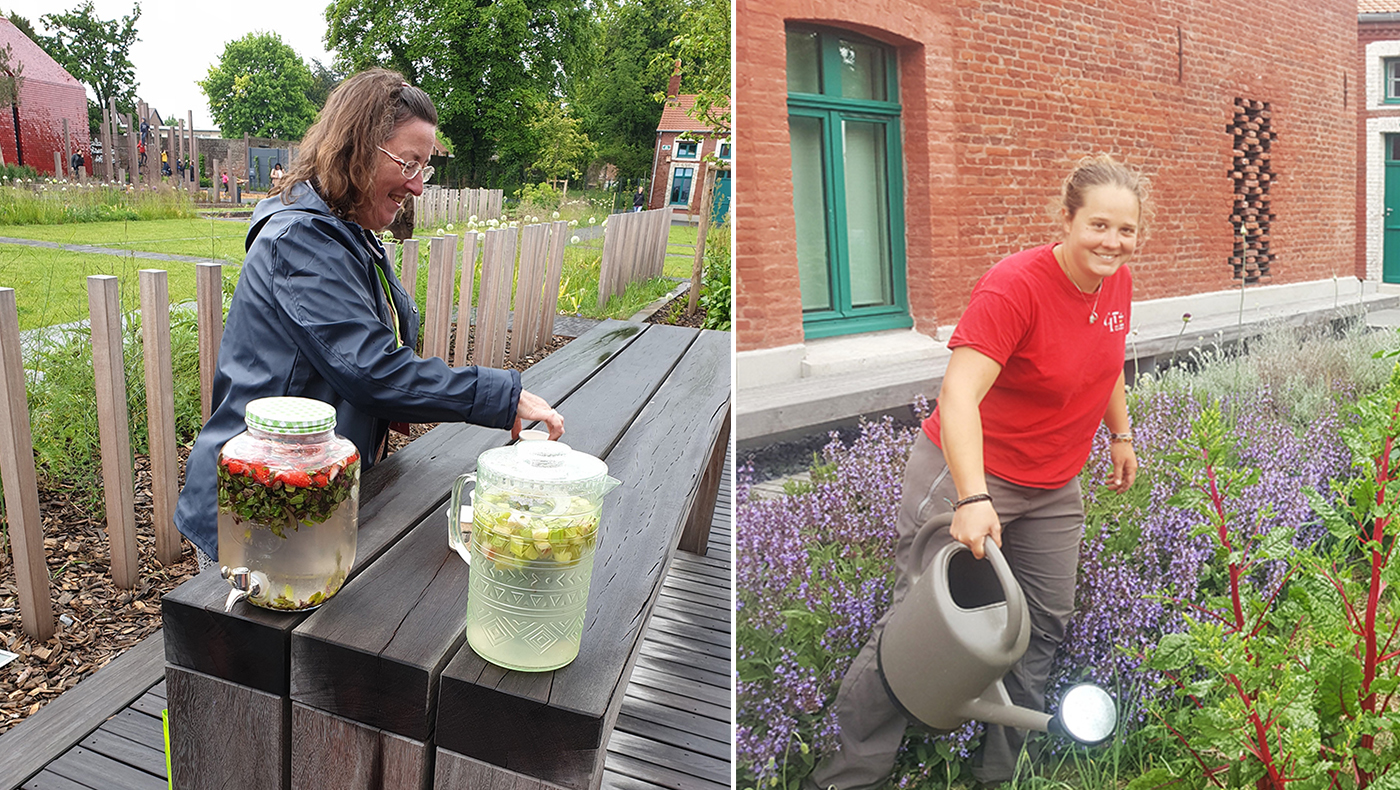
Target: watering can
{"type": "Point", "coordinates": [961, 626]}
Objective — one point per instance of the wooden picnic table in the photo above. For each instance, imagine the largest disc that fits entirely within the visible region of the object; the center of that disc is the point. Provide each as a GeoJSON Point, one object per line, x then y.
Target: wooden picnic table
{"type": "Point", "coordinates": [378, 687]}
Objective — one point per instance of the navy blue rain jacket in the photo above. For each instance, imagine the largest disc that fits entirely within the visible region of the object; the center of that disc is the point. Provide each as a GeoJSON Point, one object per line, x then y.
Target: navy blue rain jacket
{"type": "Point", "coordinates": [309, 319]}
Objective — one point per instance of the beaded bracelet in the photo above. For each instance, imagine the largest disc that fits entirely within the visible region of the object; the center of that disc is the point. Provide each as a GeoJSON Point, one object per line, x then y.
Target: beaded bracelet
{"type": "Point", "coordinates": [967, 500]}
{"type": "Point", "coordinates": [1120, 437]}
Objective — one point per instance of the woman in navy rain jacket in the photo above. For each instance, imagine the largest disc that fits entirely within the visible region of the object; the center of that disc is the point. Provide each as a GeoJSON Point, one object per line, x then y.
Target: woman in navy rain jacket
{"type": "Point", "coordinates": [318, 311]}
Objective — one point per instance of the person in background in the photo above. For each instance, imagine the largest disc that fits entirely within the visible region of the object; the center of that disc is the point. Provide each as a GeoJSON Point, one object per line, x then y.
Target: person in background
{"type": "Point", "coordinates": [318, 311]}
{"type": "Point", "coordinates": [1036, 367]}
{"type": "Point", "coordinates": [639, 200]}
{"type": "Point", "coordinates": [276, 175]}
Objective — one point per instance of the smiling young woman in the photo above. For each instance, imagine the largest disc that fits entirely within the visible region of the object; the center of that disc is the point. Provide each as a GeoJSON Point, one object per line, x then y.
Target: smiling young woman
{"type": "Point", "coordinates": [319, 312]}
{"type": "Point", "coordinates": [1037, 365]}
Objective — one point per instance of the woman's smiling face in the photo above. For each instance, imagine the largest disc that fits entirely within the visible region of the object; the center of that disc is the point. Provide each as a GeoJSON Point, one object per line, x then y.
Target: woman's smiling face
{"type": "Point", "coordinates": [412, 141]}
{"type": "Point", "coordinates": [1101, 236]}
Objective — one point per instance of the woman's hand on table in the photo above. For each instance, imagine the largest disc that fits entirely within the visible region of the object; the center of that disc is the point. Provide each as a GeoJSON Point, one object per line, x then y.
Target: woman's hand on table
{"type": "Point", "coordinates": [531, 408]}
{"type": "Point", "coordinates": [975, 522]}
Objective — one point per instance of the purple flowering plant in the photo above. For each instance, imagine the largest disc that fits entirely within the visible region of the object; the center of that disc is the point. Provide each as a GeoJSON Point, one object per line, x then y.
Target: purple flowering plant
{"type": "Point", "coordinates": [815, 571]}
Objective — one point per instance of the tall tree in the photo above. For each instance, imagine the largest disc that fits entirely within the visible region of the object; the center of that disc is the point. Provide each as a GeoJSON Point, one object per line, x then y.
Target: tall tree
{"type": "Point", "coordinates": [703, 50]}
{"type": "Point", "coordinates": [260, 87]}
{"type": "Point", "coordinates": [615, 99]}
{"type": "Point", "coordinates": [25, 27]}
{"type": "Point", "coordinates": [562, 151]}
{"type": "Point", "coordinates": [323, 81]}
{"type": "Point", "coordinates": [487, 65]}
{"type": "Point", "coordinates": [95, 51]}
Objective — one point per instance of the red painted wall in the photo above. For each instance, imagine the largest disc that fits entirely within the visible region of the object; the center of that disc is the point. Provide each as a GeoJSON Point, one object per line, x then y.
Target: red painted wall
{"type": "Point", "coordinates": [999, 100]}
{"type": "Point", "coordinates": [42, 108]}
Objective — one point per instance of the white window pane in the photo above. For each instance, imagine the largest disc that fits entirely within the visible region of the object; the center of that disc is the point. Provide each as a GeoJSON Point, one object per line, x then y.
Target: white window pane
{"type": "Point", "coordinates": [867, 213]}
{"type": "Point", "coordinates": [803, 62]}
{"type": "Point", "coordinates": [809, 206]}
{"type": "Point", "coordinates": [862, 71]}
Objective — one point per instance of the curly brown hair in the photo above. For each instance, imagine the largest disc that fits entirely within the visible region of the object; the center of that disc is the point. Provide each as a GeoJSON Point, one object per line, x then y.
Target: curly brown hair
{"type": "Point", "coordinates": [339, 153]}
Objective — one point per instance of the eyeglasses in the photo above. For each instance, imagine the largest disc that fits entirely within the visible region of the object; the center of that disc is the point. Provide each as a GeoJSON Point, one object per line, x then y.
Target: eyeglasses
{"type": "Point", "coordinates": [411, 169]}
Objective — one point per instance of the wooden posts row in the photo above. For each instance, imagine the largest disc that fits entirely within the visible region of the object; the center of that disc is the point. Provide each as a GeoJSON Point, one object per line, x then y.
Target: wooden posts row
{"type": "Point", "coordinates": [634, 248]}
{"type": "Point", "coordinates": [536, 291]}
{"type": "Point", "coordinates": [17, 472]}
{"type": "Point", "coordinates": [439, 206]}
{"type": "Point", "coordinates": [18, 478]}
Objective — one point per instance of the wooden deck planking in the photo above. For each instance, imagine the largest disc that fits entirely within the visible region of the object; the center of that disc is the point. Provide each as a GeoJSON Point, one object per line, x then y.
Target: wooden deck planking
{"type": "Point", "coordinates": [674, 730]}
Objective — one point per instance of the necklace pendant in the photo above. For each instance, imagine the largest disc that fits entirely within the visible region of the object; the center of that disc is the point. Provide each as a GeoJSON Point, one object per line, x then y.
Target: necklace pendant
{"type": "Point", "coordinates": [1093, 316]}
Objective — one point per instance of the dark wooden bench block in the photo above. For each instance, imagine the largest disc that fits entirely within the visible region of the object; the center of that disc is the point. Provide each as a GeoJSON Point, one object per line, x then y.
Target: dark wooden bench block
{"type": "Point", "coordinates": [231, 735]}
{"type": "Point", "coordinates": [541, 724]}
{"type": "Point", "coordinates": [455, 770]}
{"type": "Point", "coordinates": [342, 754]}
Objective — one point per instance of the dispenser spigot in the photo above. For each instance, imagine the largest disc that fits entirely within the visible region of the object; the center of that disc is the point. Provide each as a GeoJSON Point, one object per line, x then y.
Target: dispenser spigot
{"type": "Point", "coordinates": [245, 584]}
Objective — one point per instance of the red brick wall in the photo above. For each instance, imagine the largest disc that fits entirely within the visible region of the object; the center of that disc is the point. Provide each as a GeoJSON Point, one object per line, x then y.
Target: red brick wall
{"type": "Point", "coordinates": [42, 108]}
{"type": "Point", "coordinates": [999, 100]}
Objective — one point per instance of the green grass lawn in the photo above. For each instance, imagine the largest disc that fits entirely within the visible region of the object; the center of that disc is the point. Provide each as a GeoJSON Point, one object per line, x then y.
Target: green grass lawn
{"type": "Point", "coordinates": [51, 288]}
{"type": "Point", "coordinates": [205, 238]}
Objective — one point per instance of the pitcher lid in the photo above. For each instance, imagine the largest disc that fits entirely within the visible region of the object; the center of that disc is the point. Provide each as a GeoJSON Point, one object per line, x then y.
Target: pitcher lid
{"type": "Point", "coordinates": [542, 462]}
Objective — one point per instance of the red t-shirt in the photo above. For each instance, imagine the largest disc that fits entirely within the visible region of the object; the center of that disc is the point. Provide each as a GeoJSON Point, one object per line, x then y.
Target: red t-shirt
{"type": "Point", "coordinates": [1057, 368]}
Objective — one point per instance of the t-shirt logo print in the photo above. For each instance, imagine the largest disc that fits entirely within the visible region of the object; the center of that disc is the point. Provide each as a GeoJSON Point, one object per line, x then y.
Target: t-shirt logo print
{"type": "Point", "coordinates": [1115, 322]}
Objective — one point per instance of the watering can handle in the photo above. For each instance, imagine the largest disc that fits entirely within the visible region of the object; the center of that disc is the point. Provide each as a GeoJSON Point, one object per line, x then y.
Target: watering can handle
{"type": "Point", "coordinates": [1015, 598]}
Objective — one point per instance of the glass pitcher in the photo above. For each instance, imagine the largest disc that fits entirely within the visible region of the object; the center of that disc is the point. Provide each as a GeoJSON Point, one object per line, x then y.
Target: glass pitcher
{"type": "Point", "coordinates": [533, 530]}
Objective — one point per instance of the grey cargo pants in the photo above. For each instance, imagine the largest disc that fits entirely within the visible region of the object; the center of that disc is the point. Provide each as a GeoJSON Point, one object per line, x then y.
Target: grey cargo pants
{"type": "Point", "coordinates": [1041, 531]}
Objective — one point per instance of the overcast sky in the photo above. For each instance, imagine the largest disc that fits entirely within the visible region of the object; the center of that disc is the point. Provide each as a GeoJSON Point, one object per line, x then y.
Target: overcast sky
{"type": "Point", "coordinates": [180, 40]}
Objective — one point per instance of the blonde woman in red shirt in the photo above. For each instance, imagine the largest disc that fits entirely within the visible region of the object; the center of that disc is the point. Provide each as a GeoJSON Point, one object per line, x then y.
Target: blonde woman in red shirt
{"type": "Point", "coordinates": [1036, 366]}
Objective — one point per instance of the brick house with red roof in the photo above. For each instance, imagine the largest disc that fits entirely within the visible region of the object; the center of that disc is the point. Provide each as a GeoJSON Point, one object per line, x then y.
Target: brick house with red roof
{"type": "Point", "coordinates": [680, 160]}
{"type": "Point", "coordinates": [1378, 140]}
{"type": "Point", "coordinates": [48, 94]}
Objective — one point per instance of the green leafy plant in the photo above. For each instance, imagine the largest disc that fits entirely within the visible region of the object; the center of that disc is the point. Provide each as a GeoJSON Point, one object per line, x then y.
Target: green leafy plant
{"type": "Point", "coordinates": [715, 296]}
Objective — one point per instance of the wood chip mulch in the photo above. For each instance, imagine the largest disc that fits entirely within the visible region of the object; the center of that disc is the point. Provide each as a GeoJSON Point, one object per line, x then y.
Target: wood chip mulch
{"type": "Point", "coordinates": [97, 621]}
{"type": "Point", "coordinates": [673, 314]}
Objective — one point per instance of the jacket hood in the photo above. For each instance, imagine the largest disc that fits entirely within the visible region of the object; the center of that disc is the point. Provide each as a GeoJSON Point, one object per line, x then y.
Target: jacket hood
{"type": "Point", "coordinates": [303, 198]}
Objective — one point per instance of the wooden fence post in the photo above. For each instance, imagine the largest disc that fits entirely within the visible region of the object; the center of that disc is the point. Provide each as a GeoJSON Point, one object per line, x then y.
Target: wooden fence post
{"type": "Point", "coordinates": [493, 310]}
{"type": "Point", "coordinates": [534, 240]}
{"type": "Point", "coordinates": [612, 242]}
{"type": "Point", "coordinates": [160, 412]}
{"type": "Point", "coordinates": [57, 165]}
{"type": "Point", "coordinates": [437, 313]}
{"type": "Point", "coordinates": [209, 301]}
{"type": "Point", "coordinates": [68, 152]}
{"type": "Point", "coordinates": [697, 267]}
{"type": "Point", "coordinates": [113, 426]}
{"type": "Point", "coordinates": [558, 238]}
{"type": "Point", "coordinates": [408, 269]}
{"type": "Point", "coordinates": [20, 482]}
{"type": "Point", "coordinates": [132, 135]}
{"type": "Point", "coordinates": [464, 306]}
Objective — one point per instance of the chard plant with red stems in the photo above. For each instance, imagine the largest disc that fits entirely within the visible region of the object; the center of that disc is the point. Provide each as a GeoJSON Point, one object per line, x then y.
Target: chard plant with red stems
{"type": "Point", "coordinates": [1244, 709]}
{"type": "Point", "coordinates": [1354, 609]}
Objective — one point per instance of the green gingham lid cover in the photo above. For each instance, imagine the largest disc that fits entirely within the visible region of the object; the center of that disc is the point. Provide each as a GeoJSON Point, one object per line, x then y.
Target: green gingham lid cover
{"type": "Point", "coordinates": [290, 415]}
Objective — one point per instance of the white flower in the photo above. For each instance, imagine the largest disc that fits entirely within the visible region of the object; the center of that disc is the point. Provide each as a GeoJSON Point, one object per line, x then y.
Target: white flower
{"type": "Point", "coordinates": [573, 223]}
{"type": "Point", "coordinates": [592, 220]}
{"type": "Point", "coordinates": [449, 226]}
{"type": "Point", "coordinates": [472, 218]}
{"type": "Point", "coordinates": [605, 223]}
{"type": "Point", "coordinates": [556, 215]}
{"type": "Point", "coordinates": [440, 231]}
{"type": "Point", "coordinates": [493, 222]}
{"type": "Point", "coordinates": [574, 240]}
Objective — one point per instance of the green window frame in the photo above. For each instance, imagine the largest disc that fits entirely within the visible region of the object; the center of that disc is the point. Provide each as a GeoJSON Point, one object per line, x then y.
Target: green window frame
{"type": "Point", "coordinates": [848, 190]}
{"type": "Point", "coordinates": [687, 149]}
{"type": "Point", "coordinates": [1390, 79]}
